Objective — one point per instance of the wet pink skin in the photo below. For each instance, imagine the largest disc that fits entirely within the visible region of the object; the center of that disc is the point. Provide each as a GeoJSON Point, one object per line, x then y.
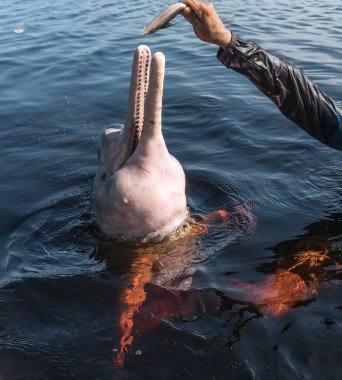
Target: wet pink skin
{"type": "Point", "coordinates": [139, 189]}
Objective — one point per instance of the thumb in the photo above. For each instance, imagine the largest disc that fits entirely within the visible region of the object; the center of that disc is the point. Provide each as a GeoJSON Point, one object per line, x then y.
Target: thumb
{"type": "Point", "coordinates": [189, 15]}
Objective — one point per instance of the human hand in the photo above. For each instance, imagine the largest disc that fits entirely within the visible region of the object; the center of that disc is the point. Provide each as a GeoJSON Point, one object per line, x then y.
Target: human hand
{"type": "Point", "coordinates": [206, 23]}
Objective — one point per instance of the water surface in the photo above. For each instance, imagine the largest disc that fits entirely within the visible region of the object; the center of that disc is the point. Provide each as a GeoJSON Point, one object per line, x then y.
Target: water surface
{"type": "Point", "coordinates": [238, 302]}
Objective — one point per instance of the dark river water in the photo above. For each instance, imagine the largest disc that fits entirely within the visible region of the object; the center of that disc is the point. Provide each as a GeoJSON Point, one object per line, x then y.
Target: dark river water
{"type": "Point", "coordinates": [257, 298]}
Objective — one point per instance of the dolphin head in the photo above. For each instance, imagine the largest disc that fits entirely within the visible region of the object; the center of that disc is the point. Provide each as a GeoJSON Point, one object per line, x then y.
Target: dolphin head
{"type": "Point", "coordinates": [139, 189]}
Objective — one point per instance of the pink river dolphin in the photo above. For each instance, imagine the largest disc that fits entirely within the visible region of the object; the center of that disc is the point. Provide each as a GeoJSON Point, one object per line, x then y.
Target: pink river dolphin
{"type": "Point", "coordinates": [139, 189]}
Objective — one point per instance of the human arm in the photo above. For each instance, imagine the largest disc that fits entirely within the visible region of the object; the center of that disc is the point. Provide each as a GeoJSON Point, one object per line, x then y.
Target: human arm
{"type": "Point", "coordinates": [298, 98]}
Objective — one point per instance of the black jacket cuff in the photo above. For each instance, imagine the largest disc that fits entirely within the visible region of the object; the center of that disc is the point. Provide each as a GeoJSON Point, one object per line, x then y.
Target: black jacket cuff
{"type": "Point", "coordinates": [226, 55]}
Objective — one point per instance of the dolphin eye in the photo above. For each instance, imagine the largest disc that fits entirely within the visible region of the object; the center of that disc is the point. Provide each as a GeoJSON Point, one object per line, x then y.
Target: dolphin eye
{"type": "Point", "coordinates": [103, 175]}
{"type": "Point", "coordinates": [98, 150]}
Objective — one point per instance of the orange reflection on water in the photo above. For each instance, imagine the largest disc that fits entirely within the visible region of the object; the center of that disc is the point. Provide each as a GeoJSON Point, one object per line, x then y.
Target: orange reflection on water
{"type": "Point", "coordinates": [131, 300]}
{"type": "Point", "coordinates": [277, 293]}
{"type": "Point", "coordinates": [281, 291]}
{"type": "Point", "coordinates": [310, 258]}
{"type": "Point", "coordinates": [284, 288]}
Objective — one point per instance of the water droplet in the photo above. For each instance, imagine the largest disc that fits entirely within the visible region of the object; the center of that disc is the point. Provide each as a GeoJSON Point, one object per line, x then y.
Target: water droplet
{"type": "Point", "coordinates": [138, 352]}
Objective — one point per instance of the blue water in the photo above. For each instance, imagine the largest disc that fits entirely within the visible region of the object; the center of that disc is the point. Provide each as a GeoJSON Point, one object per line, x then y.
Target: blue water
{"type": "Point", "coordinates": [63, 80]}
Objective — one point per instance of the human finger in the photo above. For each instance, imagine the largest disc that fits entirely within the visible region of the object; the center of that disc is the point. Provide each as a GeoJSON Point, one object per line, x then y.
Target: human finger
{"type": "Point", "coordinates": [189, 15]}
{"type": "Point", "coordinates": [195, 5]}
{"type": "Point", "coordinates": [207, 8]}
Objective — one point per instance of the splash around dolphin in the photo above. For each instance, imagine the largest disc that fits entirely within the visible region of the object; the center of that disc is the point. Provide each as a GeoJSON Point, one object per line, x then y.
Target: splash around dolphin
{"type": "Point", "coordinates": [139, 188]}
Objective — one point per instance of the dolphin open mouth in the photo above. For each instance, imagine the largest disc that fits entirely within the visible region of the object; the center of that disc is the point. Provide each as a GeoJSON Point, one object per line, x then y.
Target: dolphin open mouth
{"type": "Point", "coordinates": [138, 91]}
{"type": "Point", "coordinates": [143, 123]}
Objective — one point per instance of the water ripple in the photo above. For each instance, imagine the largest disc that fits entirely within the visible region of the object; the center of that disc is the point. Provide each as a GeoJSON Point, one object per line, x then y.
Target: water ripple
{"type": "Point", "coordinates": [63, 80]}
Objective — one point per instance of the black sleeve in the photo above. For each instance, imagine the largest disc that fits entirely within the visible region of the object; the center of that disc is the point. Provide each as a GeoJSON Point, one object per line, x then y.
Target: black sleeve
{"type": "Point", "coordinates": [295, 95]}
